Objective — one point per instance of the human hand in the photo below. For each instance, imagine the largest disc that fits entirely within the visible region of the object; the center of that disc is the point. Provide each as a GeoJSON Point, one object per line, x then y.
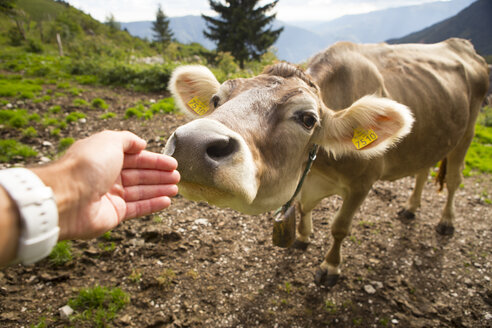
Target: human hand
{"type": "Point", "coordinates": [105, 179]}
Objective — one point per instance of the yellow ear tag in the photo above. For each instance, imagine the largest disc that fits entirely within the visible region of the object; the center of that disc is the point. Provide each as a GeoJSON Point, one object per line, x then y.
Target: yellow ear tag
{"type": "Point", "coordinates": [363, 138]}
{"type": "Point", "coordinates": [198, 106]}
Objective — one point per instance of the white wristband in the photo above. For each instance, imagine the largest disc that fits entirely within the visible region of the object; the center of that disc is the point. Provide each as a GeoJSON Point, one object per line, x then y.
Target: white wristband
{"type": "Point", "coordinates": [38, 213]}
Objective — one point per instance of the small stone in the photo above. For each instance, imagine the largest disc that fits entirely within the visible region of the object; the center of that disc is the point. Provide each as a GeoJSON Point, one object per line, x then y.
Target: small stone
{"type": "Point", "coordinates": [65, 312]}
{"type": "Point", "coordinates": [369, 289]}
{"type": "Point", "coordinates": [394, 321]}
{"type": "Point", "coordinates": [488, 316]}
{"type": "Point", "coordinates": [47, 144]}
{"type": "Point", "coordinates": [83, 120]}
{"type": "Point", "coordinates": [44, 159]}
{"type": "Point", "coordinates": [202, 221]}
{"type": "Point", "coordinates": [126, 319]}
{"type": "Point", "coordinates": [9, 106]}
{"type": "Point", "coordinates": [152, 101]}
{"type": "Point", "coordinates": [378, 284]}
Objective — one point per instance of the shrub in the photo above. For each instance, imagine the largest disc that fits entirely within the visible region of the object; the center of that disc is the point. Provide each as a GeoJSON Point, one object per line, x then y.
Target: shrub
{"type": "Point", "coordinates": [34, 46]}
{"type": "Point", "coordinates": [11, 149]}
{"type": "Point", "coordinates": [99, 103]}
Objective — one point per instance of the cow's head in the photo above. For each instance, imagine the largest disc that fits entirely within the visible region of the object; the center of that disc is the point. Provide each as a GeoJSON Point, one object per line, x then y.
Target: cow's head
{"type": "Point", "coordinates": [249, 147]}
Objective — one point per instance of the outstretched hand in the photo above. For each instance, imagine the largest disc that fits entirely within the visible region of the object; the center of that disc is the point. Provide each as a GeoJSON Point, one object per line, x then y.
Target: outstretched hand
{"type": "Point", "coordinates": [107, 178]}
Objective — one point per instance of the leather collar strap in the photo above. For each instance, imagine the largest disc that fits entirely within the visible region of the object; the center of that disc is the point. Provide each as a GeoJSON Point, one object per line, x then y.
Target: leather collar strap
{"type": "Point", "coordinates": [312, 157]}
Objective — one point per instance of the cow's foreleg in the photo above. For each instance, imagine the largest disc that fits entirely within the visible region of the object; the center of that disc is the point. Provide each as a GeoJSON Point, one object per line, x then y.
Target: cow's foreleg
{"type": "Point", "coordinates": [329, 271]}
{"type": "Point", "coordinates": [305, 226]}
{"type": "Point", "coordinates": [413, 202]}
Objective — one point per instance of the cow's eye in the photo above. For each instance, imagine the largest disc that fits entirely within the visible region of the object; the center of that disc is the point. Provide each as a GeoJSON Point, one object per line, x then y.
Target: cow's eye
{"type": "Point", "coordinates": [308, 120]}
{"type": "Point", "coordinates": [215, 101]}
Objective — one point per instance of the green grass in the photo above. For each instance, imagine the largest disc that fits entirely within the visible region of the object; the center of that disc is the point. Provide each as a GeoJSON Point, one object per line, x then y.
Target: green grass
{"type": "Point", "coordinates": [98, 306]}
{"type": "Point", "coordinates": [479, 156]}
{"type": "Point", "coordinates": [107, 115]}
{"type": "Point", "coordinates": [133, 112]}
{"type": "Point", "coordinates": [165, 105]}
{"type": "Point", "coordinates": [74, 117]}
{"type": "Point", "coordinates": [65, 143]}
{"type": "Point", "coordinates": [61, 253]}
{"type": "Point", "coordinates": [29, 132]}
{"type": "Point", "coordinates": [23, 89]}
{"type": "Point", "coordinates": [11, 150]}
{"type": "Point", "coordinates": [99, 103]}
{"type": "Point", "coordinates": [79, 102]}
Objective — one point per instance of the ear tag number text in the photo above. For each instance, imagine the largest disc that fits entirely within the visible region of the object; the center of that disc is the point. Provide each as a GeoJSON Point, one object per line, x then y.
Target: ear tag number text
{"type": "Point", "coordinates": [198, 106]}
{"type": "Point", "coordinates": [363, 138]}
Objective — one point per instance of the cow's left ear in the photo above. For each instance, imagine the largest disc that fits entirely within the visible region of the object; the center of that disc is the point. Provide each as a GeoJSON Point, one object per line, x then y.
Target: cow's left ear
{"type": "Point", "coordinates": [192, 87]}
{"type": "Point", "coordinates": [367, 128]}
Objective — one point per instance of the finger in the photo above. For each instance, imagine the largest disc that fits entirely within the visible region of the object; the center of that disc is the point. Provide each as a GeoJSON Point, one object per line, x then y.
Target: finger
{"type": "Point", "coordinates": [136, 193]}
{"type": "Point", "coordinates": [150, 160]}
{"type": "Point", "coordinates": [132, 144]}
{"type": "Point", "coordinates": [145, 207]}
{"type": "Point", "coordinates": [133, 177]}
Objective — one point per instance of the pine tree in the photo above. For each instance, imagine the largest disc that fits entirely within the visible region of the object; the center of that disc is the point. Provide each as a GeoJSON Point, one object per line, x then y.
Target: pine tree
{"type": "Point", "coordinates": [162, 32]}
{"type": "Point", "coordinates": [243, 28]}
{"type": "Point", "coordinates": [112, 23]}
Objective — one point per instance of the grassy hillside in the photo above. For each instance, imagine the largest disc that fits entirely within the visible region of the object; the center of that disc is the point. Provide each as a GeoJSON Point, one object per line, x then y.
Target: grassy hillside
{"type": "Point", "coordinates": [96, 53]}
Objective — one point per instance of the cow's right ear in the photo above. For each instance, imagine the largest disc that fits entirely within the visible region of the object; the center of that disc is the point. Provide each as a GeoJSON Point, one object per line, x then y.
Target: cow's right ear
{"type": "Point", "coordinates": [192, 87]}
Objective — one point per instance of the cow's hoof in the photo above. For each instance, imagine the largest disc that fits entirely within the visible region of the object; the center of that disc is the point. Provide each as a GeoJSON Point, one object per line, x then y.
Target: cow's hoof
{"type": "Point", "coordinates": [406, 215]}
{"type": "Point", "coordinates": [322, 278]}
{"type": "Point", "coordinates": [300, 245]}
{"type": "Point", "coordinates": [444, 229]}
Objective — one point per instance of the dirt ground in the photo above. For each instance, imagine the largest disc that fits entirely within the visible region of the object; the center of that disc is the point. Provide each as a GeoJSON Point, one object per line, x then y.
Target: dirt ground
{"type": "Point", "coordinates": [201, 266]}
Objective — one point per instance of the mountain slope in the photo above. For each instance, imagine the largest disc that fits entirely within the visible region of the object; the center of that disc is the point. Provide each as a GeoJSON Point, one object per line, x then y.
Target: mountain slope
{"type": "Point", "coordinates": [473, 23]}
{"type": "Point", "coordinates": [388, 23]}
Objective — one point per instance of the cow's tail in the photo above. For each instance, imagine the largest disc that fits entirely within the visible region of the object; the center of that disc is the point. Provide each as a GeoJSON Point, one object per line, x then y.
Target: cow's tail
{"type": "Point", "coordinates": [441, 175]}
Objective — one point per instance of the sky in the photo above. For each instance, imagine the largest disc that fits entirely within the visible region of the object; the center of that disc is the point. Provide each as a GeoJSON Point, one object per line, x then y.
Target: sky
{"type": "Point", "coordinates": [287, 10]}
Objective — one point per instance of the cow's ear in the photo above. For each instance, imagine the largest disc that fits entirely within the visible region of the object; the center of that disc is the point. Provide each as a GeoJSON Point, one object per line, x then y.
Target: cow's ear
{"type": "Point", "coordinates": [367, 128]}
{"type": "Point", "coordinates": [192, 87]}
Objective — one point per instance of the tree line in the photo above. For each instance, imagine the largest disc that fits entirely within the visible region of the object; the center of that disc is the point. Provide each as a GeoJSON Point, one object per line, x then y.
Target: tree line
{"type": "Point", "coordinates": [242, 28]}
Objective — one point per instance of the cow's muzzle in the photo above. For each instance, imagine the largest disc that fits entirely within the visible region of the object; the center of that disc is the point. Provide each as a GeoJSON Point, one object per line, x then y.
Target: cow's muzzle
{"type": "Point", "coordinates": [211, 155]}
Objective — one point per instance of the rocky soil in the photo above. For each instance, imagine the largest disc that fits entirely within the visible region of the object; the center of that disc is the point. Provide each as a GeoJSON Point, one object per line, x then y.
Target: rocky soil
{"type": "Point", "coordinates": [195, 265]}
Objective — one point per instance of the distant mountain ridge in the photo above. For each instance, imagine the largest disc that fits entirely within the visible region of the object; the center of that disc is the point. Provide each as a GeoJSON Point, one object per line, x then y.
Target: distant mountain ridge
{"type": "Point", "coordinates": [473, 23]}
{"type": "Point", "coordinates": [299, 41]}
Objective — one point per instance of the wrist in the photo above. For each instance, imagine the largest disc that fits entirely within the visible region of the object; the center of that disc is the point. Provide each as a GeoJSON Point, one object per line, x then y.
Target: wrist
{"type": "Point", "coordinates": [66, 192]}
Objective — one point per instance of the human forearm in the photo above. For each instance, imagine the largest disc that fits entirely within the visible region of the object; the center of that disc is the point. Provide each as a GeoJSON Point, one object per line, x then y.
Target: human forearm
{"type": "Point", "coordinates": [9, 228]}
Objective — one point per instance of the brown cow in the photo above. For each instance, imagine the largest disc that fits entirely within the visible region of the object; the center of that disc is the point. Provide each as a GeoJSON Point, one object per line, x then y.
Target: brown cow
{"type": "Point", "coordinates": [378, 112]}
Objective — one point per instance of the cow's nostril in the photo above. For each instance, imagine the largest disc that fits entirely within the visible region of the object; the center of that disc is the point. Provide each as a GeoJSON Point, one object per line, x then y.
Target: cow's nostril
{"type": "Point", "coordinates": [222, 148]}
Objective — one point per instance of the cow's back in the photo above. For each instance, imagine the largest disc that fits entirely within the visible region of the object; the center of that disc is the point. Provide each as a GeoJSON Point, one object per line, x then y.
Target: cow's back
{"type": "Point", "coordinates": [441, 83]}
